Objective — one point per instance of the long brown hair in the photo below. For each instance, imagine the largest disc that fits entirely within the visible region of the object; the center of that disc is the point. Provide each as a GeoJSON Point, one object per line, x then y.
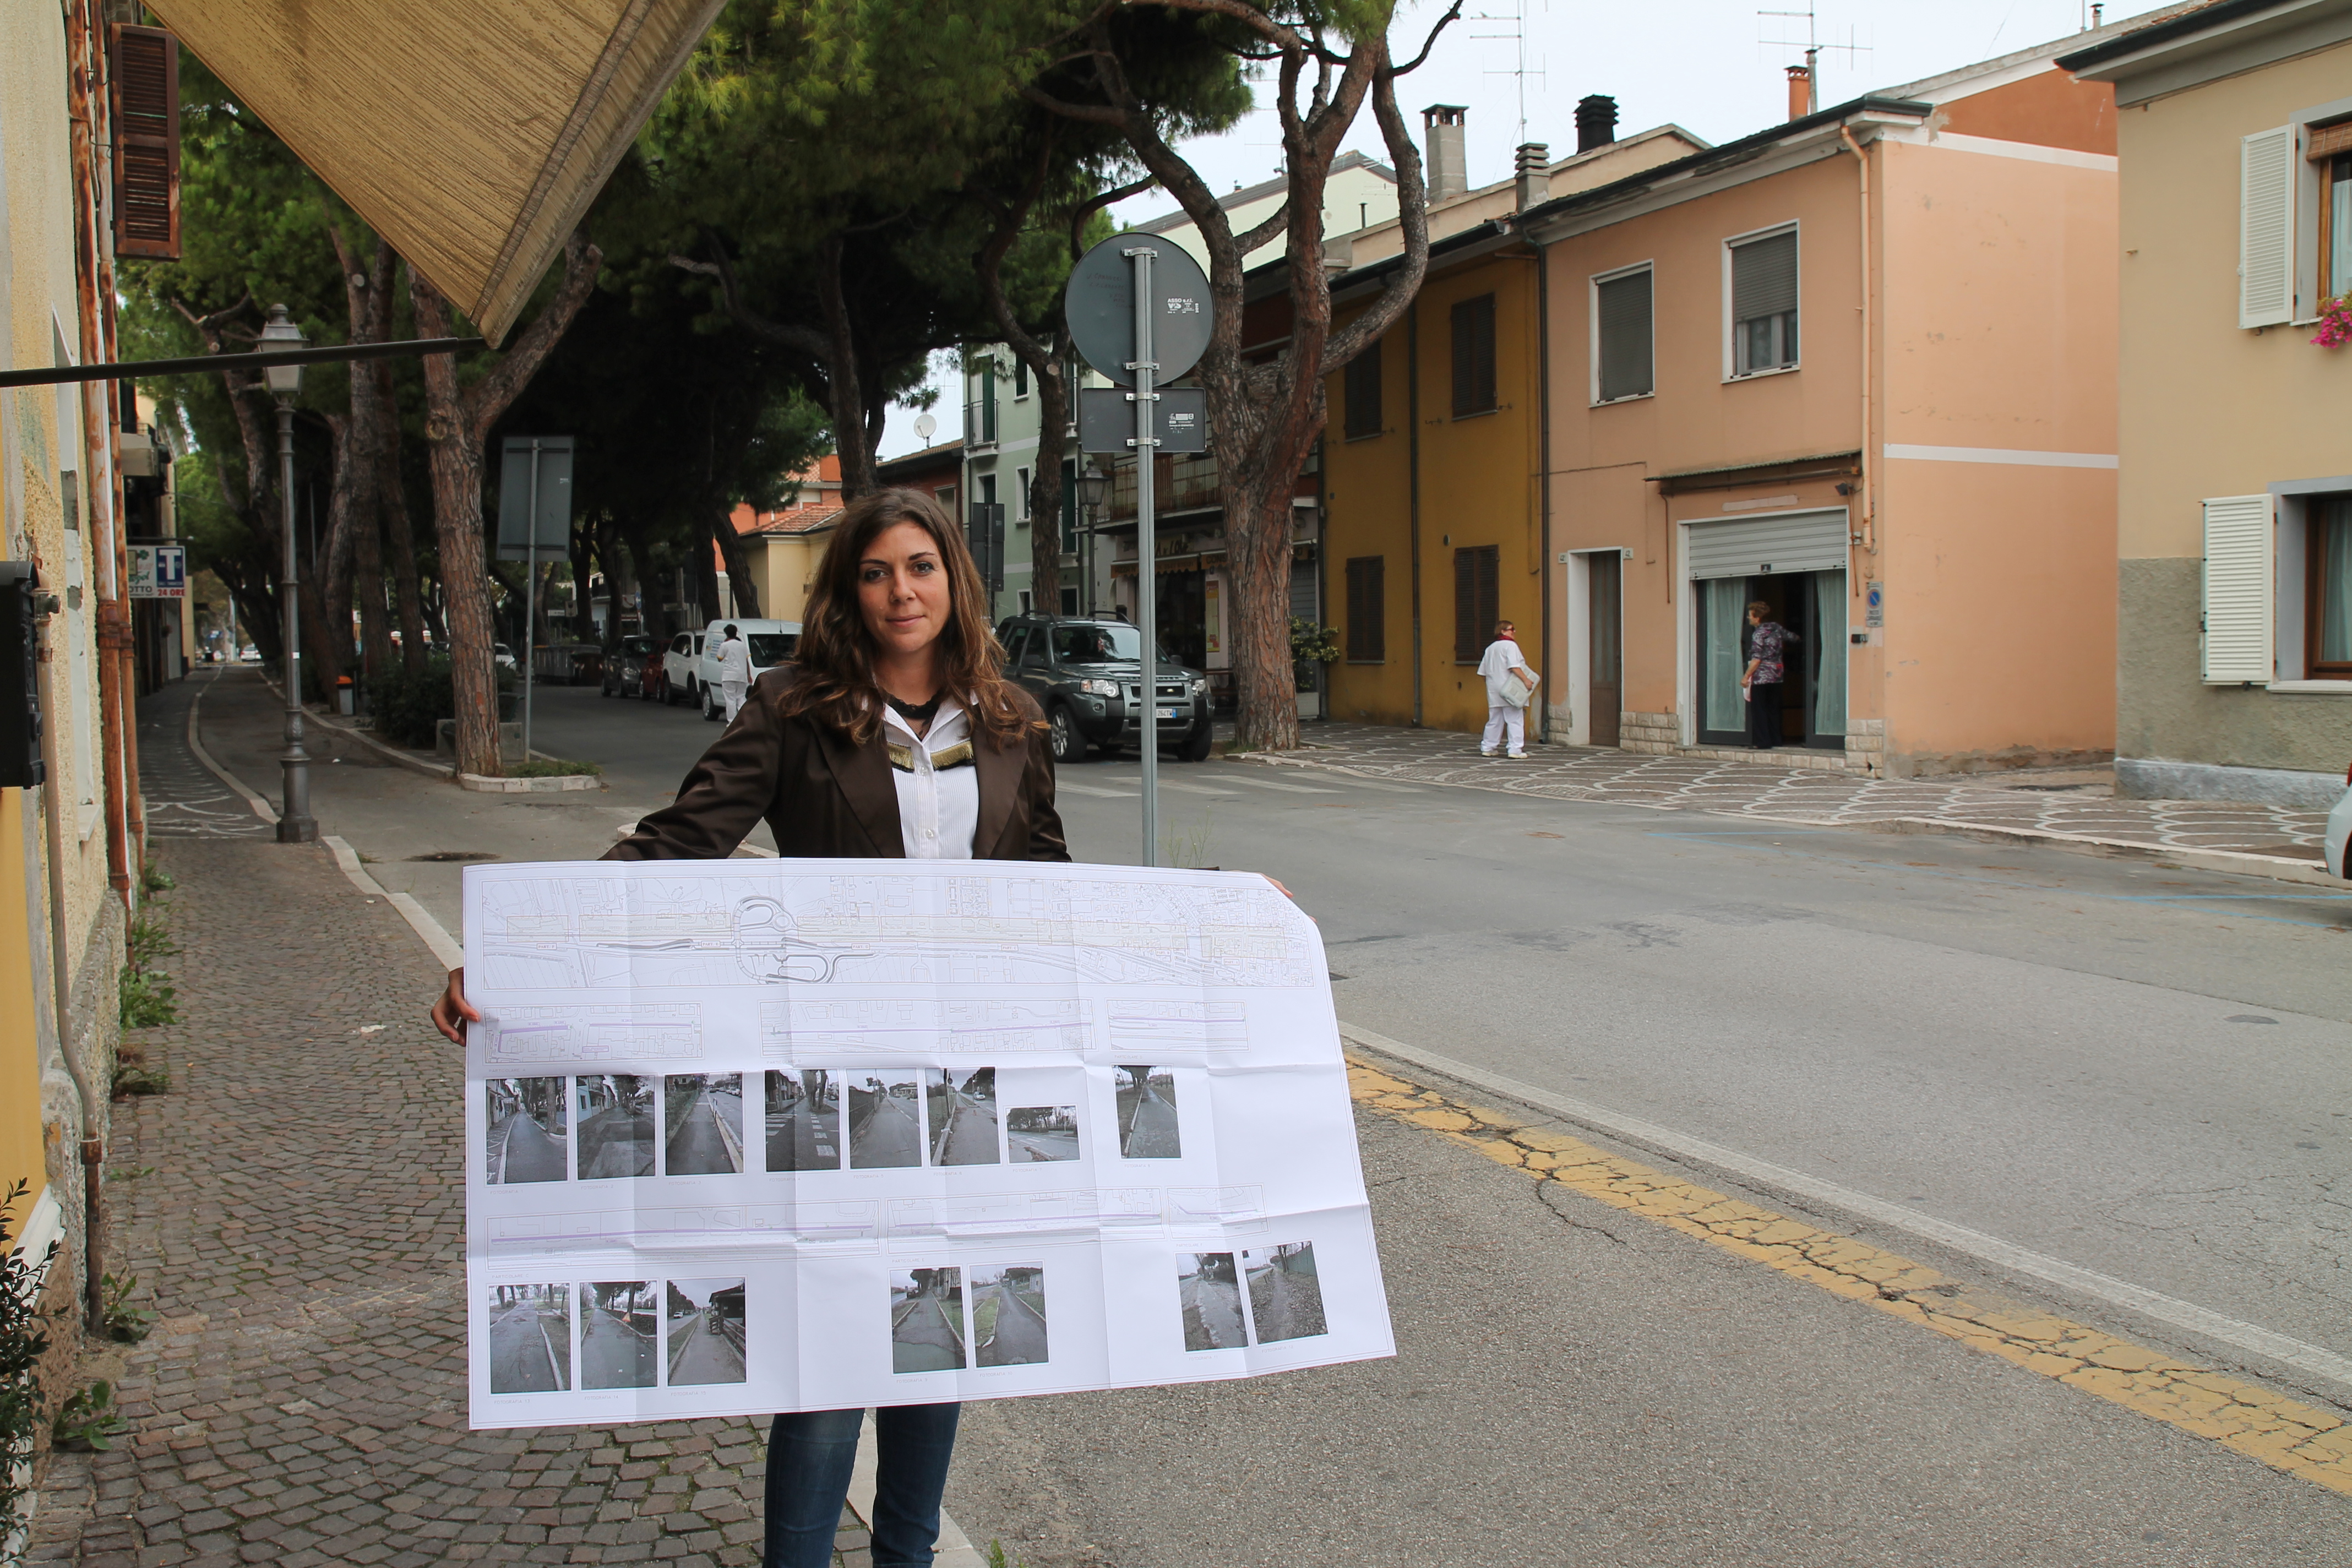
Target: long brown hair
{"type": "Point", "coordinates": [835, 657]}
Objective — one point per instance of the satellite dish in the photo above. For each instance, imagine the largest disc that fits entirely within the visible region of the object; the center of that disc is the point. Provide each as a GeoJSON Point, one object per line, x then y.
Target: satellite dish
{"type": "Point", "coordinates": [925, 427]}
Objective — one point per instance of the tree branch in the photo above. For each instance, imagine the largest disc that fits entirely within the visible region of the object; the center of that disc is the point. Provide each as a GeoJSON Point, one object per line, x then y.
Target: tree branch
{"type": "Point", "coordinates": [1412, 212]}
{"type": "Point", "coordinates": [1453, 15]}
{"type": "Point", "coordinates": [490, 397]}
{"type": "Point", "coordinates": [786, 334]}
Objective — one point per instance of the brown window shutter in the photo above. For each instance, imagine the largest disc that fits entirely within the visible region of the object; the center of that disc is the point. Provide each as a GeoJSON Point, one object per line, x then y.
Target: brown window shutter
{"type": "Point", "coordinates": [1465, 607]}
{"type": "Point", "coordinates": [1473, 321]}
{"type": "Point", "coordinates": [2327, 141]}
{"type": "Point", "coordinates": [1367, 636]}
{"type": "Point", "coordinates": [1490, 592]}
{"type": "Point", "coordinates": [146, 142]}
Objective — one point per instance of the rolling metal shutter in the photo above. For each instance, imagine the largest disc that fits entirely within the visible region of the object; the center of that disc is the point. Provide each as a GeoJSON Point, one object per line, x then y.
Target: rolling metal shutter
{"type": "Point", "coordinates": [1760, 546]}
{"type": "Point", "coordinates": [2236, 646]}
{"type": "Point", "coordinates": [1621, 307]}
{"type": "Point", "coordinates": [1764, 277]}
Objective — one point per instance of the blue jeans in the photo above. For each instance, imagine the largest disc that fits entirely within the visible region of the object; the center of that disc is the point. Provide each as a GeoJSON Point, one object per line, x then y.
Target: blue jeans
{"type": "Point", "coordinates": [809, 1460]}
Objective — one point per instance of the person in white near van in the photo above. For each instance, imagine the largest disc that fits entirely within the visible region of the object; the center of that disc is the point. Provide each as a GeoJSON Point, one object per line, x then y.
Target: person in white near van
{"type": "Point", "coordinates": [1509, 684]}
{"type": "Point", "coordinates": [734, 671]}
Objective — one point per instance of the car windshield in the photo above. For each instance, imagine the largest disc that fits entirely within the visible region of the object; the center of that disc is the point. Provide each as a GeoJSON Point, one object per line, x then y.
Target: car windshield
{"type": "Point", "coordinates": [636, 645]}
{"type": "Point", "coordinates": [1088, 643]}
{"type": "Point", "coordinates": [771, 648]}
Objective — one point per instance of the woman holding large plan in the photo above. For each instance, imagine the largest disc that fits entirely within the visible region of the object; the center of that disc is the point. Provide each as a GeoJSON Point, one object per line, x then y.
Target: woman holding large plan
{"type": "Point", "coordinates": [895, 735]}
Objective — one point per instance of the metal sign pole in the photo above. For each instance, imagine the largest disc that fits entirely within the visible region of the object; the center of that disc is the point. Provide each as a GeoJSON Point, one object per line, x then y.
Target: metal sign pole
{"type": "Point", "coordinates": [529, 599]}
{"type": "Point", "coordinates": [1146, 551]}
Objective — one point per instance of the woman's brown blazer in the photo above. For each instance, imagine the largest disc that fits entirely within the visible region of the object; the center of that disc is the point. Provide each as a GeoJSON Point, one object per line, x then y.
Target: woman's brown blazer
{"type": "Point", "coordinates": [825, 795]}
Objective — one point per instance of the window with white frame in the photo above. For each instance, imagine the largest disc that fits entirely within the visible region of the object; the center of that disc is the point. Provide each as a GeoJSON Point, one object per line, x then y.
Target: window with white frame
{"type": "Point", "coordinates": [1021, 495]}
{"type": "Point", "coordinates": [1761, 278]}
{"type": "Point", "coordinates": [1623, 363]}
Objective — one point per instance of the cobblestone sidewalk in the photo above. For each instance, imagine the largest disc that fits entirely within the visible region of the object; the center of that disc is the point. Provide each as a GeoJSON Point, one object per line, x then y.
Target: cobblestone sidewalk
{"type": "Point", "coordinates": [2077, 802]}
{"type": "Point", "coordinates": [294, 1210]}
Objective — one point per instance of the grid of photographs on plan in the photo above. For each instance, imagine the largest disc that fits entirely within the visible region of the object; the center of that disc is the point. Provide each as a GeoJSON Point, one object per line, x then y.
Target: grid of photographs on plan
{"type": "Point", "coordinates": [1255, 1297]}
{"type": "Point", "coordinates": [615, 1333]}
{"type": "Point", "coordinates": [606, 1126]}
{"type": "Point", "coordinates": [965, 1316]}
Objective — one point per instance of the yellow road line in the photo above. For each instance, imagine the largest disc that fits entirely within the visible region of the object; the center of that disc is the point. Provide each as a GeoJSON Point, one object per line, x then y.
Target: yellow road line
{"type": "Point", "coordinates": [2284, 1434]}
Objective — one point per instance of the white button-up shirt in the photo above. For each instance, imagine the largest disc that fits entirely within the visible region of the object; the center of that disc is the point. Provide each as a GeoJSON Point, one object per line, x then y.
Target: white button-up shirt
{"type": "Point", "coordinates": [938, 808]}
{"type": "Point", "coordinates": [734, 663]}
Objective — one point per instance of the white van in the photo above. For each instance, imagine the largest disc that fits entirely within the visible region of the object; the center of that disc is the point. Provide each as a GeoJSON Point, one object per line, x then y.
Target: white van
{"type": "Point", "coordinates": [771, 643]}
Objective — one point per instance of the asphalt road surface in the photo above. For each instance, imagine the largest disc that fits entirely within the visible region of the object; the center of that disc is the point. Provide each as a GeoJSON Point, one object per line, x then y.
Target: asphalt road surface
{"type": "Point", "coordinates": [699, 1353]}
{"type": "Point", "coordinates": [700, 1147]}
{"type": "Point", "coordinates": [1150, 1132]}
{"type": "Point", "coordinates": [530, 1152]}
{"type": "Point", "coordinates": [922, 1341]}
{"type": "Point", "coordinates": [972, 1136]}
{"type": "Point", "coordinates": [616, 1144]}
{"type": "Point", "coordinates": [1020, 1336]}
{"type": "Point", "coordinates": [801, 1139]}
{"type": "Point", "coordinates": [1042, 1146]}
{"type": "Point", "coordinates": [614, 1355]}
{"type": "Point", "coordinates": [891, 1136]}
{"type": "Point", "coordinates": [527, 1353]}
{"type": "Point", "coordinates": [1212, 1314]}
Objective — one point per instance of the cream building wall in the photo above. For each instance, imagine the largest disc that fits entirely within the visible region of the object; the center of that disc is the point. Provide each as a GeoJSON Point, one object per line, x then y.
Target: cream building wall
{"type": "Point", "coordinates": [61, 915]}
{"type": "Point", "coordinates": [2213, 409]}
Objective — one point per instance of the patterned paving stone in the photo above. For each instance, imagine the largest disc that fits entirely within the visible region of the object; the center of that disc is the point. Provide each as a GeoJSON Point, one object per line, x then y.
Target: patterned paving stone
{"type": "Point", "coordinates": [301, 1233]}
{"type": "Point", "coordinates": [183, 799]}
{"type": "Point", "coordinates": [2078, 802]}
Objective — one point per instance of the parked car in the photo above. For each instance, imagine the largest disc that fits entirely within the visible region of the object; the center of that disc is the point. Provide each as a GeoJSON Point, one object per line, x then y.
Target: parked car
{"type": "Point", "coordinates": [771, 643]}
{"type": "Point", "coordinates": [568, 663]}
{"type": "Point", "coordinates": [678, 661]}
{"type": "Point", "coordinates": [1087, 674]}
{"type": "Point", "coordinates": [630, 668]}
{"type": "Point", "coordinates": [2339, 830]}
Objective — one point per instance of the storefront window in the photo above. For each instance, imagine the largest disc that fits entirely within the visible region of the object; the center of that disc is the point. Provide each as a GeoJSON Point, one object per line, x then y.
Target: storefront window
{"type": "Point", "coordinates": [2330, 569]}
{"type": "Point", "coordinates": [1829, 655]}
{"type": "Point", "coordinates": [1722, 609]}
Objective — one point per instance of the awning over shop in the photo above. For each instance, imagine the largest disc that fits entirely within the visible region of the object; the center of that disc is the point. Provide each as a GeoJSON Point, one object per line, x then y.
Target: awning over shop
{"type": "Point", "coordinates": [470, 133]}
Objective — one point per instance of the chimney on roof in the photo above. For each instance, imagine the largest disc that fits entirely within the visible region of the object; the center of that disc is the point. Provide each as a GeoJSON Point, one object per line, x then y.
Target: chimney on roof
{"type": "Point", "coordinates": [1535, 185]}
{"type": "Point", "coordinates": [1449, 162]}
{"type": "Point", "coordinates": [1801, 91]}
{"type": "Point", "coordinates": [1596, 122]}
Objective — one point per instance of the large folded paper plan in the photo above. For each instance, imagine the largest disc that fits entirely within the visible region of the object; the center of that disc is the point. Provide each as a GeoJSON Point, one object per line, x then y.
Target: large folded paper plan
{"type": "Point", "coordinates": [772, 1135]}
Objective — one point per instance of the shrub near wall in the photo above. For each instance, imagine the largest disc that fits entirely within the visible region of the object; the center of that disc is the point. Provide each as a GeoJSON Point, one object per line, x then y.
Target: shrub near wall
{"type": "Point", "coordinates": [409, 708]}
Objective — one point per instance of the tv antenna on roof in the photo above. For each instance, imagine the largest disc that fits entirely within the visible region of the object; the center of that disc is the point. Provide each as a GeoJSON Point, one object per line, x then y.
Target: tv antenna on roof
{"type": "Point", "coordinates": [1814, 47]}
{"type": "Point", "coordinates": [1516, 21]}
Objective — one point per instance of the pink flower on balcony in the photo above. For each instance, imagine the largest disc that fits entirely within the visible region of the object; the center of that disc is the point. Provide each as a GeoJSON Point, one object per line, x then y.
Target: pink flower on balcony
{"type": "Point", "coordinates": [2335, 322]}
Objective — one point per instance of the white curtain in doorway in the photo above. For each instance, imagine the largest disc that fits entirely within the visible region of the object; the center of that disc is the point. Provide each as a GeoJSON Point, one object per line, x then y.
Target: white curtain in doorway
{"type": "Point", "coordinates": [1829, 674]}
{"type": "Point", "coordinates": [1722, 607]}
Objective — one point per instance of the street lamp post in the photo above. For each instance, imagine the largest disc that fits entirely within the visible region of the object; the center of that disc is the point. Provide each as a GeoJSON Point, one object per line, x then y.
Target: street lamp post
{"type": "Point", "coordinates": [294, 823]}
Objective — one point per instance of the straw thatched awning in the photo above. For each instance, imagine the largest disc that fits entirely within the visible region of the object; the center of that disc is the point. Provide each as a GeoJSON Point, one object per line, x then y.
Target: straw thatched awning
{"type": "Point", "coordinates": [470, 133]}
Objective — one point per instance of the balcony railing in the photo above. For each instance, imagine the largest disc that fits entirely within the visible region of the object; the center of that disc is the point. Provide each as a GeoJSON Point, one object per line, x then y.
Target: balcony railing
{"type": "Point", "coordinates": [980, 423]}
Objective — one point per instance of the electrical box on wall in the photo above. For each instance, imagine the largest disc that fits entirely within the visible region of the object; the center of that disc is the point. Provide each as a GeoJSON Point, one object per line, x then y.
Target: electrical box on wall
{"type": "Point", "coordinates": [1869, 638]}
{"type": "Point", "coordinates": [20, 677]}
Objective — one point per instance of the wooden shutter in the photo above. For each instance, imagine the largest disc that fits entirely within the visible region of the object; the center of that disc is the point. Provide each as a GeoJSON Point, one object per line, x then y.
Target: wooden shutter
{"type": "Point", "coordinates": [2266, 228]}
{"type": "Point", "coordinates": [1477, 599]}
{"type": "Point", "coordinates": [1367, 612]}
{"type": "Point", "coordinates": [2237, 642]}
{"type": "Point", "coordinates": [146, 142]}
{"type": "Point", "coordinates": [1361, 388]}
{"type": "Point", "coordinates": [1474, 355]}
{"type": "Point", "coordinates": [2324, 141]}
{"type": "Point", "coordinates": [1622, 324]}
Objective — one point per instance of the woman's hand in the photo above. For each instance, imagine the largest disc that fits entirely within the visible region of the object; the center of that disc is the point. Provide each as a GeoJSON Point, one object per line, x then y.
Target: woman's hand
{"type": "Point", "coordinates": [452, 1012]}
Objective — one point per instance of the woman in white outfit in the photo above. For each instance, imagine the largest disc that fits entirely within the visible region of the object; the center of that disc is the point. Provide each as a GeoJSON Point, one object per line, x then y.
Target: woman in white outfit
{"type": "Point", "coordinates": [734, 670]}
{"type": "Point", "coordinates": [1509, 684]}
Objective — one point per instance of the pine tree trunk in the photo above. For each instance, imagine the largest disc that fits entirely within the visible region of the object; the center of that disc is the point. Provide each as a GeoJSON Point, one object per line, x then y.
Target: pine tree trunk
{"type": "Point", "coordinates": [458, 531]}
{"type": "Point", "coordinates": [1257, 559]}
{"type": "Point", "coordinates": [1046, 488]}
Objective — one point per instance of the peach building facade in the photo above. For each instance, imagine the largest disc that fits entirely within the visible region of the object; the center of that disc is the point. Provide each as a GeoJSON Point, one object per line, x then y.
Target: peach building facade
{"type": "Point", "coordinates": [1861, 366]}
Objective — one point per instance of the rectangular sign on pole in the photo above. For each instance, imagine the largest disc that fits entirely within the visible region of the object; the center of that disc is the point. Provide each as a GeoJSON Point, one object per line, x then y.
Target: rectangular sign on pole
{"type": "Point", "coordinates": [553, 474]}
{"type": "Point", "coordinates": [1107, 419]}
{"type": "Point", "coordinates": [159, 571]}
{"type": "Point", "coordinates": [755, 1136]}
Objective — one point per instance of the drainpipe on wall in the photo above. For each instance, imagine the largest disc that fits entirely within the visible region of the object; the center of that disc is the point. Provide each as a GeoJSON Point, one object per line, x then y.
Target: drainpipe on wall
{"type": "Point", "coordinates": [1867, 535]}
{"type": "Point", "coordinates": [84, 76]}
{"type": "Point", "coordinates": [1543, 482]}
{"type": "Point", "coordinates": [1413, 483]}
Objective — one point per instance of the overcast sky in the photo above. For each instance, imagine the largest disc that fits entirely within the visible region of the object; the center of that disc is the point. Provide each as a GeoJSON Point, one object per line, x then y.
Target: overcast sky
{"type": "Point", "coordinates": [1703, 64]}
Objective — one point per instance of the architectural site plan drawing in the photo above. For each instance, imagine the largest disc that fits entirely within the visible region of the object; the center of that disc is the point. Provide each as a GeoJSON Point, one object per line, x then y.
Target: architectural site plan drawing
{"type": "Point", "coordinates": [756, 1135]}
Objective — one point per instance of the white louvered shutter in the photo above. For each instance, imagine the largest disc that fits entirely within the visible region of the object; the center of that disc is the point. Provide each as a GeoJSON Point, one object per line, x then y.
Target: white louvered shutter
{"type": "Point", "coordinates": [2266, 228]}
{"type": "Point", "coordinates": [2237, 640]}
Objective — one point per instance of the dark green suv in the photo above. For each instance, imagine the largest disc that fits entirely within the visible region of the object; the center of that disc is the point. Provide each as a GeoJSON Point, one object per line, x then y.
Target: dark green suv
{"type": "Point", "coordinates": [1087, 674]}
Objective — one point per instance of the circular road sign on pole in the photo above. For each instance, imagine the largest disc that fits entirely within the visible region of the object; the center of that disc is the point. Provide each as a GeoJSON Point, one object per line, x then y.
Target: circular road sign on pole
{"type": "Point", "coordinates": [1099, 305]}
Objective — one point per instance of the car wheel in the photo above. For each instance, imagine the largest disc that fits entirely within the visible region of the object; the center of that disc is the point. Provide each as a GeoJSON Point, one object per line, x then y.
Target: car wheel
{"type": "Point", "coordinates": [1068, 742]}
{"type": "Point", "coordinates": [1197, 744]}
{"type": "Point", "coordinates": [710, 711]}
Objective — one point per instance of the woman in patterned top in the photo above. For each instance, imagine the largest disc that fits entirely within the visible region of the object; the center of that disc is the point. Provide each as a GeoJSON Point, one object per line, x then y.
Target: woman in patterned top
{"type": "Point", "coordinates": [1767, 641]}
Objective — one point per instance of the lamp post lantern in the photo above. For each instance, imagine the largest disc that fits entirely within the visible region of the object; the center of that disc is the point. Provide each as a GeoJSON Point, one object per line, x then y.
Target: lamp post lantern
{"type": "Point", "coordinates": [294, 823]}
{"type": "Point", "coordinates": [1094, 491]}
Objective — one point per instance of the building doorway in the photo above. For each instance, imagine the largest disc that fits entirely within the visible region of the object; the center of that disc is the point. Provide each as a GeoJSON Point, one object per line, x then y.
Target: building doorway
{"type": "Point", "coordinates": [1604, 646]}
{"type": "Point", "coordinates": [1183, 613]}
{"type": "Point", "coordinates": [1811, 605]}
